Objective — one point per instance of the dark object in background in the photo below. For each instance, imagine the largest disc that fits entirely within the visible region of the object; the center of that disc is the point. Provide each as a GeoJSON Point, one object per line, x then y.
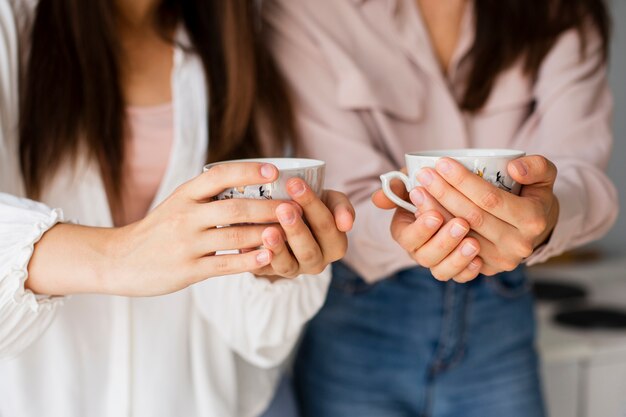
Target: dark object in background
{"type": "Point", "coordinates": [591, 318]}
{"type": "Point", "coordinates": [551, 291]}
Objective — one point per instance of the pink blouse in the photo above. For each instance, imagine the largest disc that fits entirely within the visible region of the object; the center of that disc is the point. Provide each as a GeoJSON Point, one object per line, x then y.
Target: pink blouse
{"type": "Point", "coordinates": [147, 156]}
{"type": "Point", "coordinates": [368, 88]}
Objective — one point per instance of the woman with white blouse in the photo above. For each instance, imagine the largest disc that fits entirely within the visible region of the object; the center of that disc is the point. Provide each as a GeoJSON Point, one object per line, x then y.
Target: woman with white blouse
{"type": "Point", "coordinates": [103, 132]}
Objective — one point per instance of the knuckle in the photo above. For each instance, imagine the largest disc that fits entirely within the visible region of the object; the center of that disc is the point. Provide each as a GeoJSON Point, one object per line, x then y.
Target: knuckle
{"type": "Point", "coordinates": [463, 278]}
{"type": "Point", "coordinates": [491, 200]}
{"type": "Point", "coordinates": [327, 227]}
{"type": "Point", "coordinates": [541, 164]}
{"type": "Point", "coordinates": [234, 208]}
{"type": "Point", "coordinates": [308, 256]}
{"type": "Point", "coordinates": [537, 225]}
{"type": "Point", "coordinates": [340, 251]}
{"type": "Point", "coordinates": [221, 264]}
{"type": "Point", "coordinates": [525, 248]}
{"type": "Point", "coordinates": [437, 191]}
{"type": "Point", "coordinates": [235, 236]}
{"type": "Point", "coordinates": [307, 198]}
{"type": "Point", "coordinates": [488, 271]}
{"type": "Point", "coordinates": [317, 269]}
{"type": "Point", "coordinates": [217, 171]}
{"type": "Point", "coordinates": [508, 264]}
{"type": "Point", "coordinates": [439, 276]}
{"type": "Point", "coordinates": [458, 178]}
{"type": "Point", "coordinates": [422, 260]}
{"type": "Point", "coordinates": [476, 219]}
{"type": "Point", "coordinates": [288, 271]}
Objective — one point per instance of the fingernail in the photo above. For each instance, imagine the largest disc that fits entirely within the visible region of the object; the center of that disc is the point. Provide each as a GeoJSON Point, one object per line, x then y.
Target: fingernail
{"type": "Point", "coordinates": [473, 266]}
{"type": "Point", "coordinates": [468, 249]}
{"type": "Point", "coordinates": [263, 257]}
{"type": "Point", "coordinates": [425, 177]}
{"type": "Point", "coordinates": [443, 166]}
{"type": "Point", "coordinates": [521, 168]}
{"type": "Point", "coordinates": [417, 197]}
{"type": "Point", "coordinates": [268, 171]}
{"type": "Point", "coordinates": [287, 217]}
{"type": "Point", "coordinates": [432, 222]}
{"type": "Point", "coordinates": [296, 188]}
{"type": "Point", "coordinates": [457, 230]}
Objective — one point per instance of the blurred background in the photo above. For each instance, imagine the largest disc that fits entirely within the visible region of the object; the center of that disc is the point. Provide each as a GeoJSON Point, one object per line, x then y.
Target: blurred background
{"type": "Point", "coordinates": [582, 295]}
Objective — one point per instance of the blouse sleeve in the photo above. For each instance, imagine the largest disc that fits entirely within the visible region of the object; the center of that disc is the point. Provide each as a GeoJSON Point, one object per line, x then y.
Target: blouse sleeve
{"type": "Point", "coordinates": [260, 320]}
{"type": "Point", "coordinates": [572, 127]}
{"type": "Point", "coordinates": [23, 315]}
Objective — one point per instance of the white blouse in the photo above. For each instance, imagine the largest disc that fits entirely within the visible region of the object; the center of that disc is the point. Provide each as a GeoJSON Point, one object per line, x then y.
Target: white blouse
{"type": "Point", "coordinates": [214, 349]}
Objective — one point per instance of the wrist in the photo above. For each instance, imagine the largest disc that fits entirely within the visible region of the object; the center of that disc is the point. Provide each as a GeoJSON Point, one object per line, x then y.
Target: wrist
{"type": "Point", "coordinates": [69, 259]}
{"type": "Point", "coordinates": [553, 217]}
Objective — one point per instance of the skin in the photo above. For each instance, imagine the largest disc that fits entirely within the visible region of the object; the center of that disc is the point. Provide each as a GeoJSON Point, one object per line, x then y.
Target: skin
{"type": "Point", "coordinates": [443, 22]}
{"type": "Point", "coordinates": [504, 228]}
{"type": "Point", "coordinates": [464, 225]}
{"type": "Point", "coordinates": [174, 246]}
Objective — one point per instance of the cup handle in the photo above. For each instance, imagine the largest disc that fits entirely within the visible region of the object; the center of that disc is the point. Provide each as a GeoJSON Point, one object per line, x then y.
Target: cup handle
{"type": "Point", "coordinates": [386, 181]}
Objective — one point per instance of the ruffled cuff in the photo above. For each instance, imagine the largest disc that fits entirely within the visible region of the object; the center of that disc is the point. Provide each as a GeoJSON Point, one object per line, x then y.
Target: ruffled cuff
{"type": "Point", "coordinates": [22, 224]}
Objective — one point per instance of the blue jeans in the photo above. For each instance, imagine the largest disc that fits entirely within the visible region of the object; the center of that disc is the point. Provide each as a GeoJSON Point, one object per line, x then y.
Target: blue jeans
{"type": "Point", "coordinates": [410, 346]}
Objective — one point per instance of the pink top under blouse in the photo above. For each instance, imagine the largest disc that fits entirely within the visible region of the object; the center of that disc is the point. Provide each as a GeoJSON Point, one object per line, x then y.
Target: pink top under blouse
{"type": "Point", "coordinates": [147, 155]}
{"type": "Point", "coordinates": [369, 88]}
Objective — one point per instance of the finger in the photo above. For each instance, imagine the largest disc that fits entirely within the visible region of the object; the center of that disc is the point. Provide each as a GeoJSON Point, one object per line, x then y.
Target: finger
{"type": "Point", "coordinates": [426, 202]}
{"type": "Point", "coordinates": [237, 211]}
{"type": "Point", "coordinates": [471, 272]}
{"type": "Point", "coordinates": [533, 170]}
{"type": "Point", "coordinates": [331, 242]}
{"type": "Point", "coordinates": [230, 238]}
{"type": "Point", "coordinates": [382, 201]}
{"type": "Point", "coordinates": [410, 233]}
{"type": "Point", "coordinates": [300, 239]}
{"type": "Point", "coordinates": [283, 262]}
{"type": "Point", "coordinates": [219, 265]}
{"type": "Point", "coordinates": [537, 174]}
{"type": "Point", "coordinates": [503, 256]}
{"type": "Point", "coordinates": [455, 263]}
{"type": "Point", "coordinates": [486, 196]}
{"type": "Point", "coordinates": [341, 208]}
{"type": "Point", "coordinates": [222, 176]}
{"type": "Point", "coordinates": [492, 227]}
{"type": "Point", "coordinates": [442, 243]}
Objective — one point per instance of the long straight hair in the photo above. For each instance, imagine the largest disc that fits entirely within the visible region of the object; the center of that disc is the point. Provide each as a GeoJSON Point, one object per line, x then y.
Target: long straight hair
{"type": "Point", "coordinates": [72, 100]}
{"type": "Point", "coordinates": [507, 30]}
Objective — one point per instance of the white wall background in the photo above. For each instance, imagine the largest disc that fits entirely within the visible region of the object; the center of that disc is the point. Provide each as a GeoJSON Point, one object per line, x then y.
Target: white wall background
{"type": "Point", "coordinates": [616, 239]}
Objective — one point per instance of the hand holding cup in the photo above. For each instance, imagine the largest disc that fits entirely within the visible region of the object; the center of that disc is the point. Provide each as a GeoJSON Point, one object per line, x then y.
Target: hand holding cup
{"type": "Point", "coordinates": [487, 228]}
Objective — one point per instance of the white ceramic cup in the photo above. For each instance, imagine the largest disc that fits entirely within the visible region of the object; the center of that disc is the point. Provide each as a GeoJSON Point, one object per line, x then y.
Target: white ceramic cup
{"type": "Point", "coordinates": [489, 164]}
{"type": "Point", "coordinates": [310, 170]}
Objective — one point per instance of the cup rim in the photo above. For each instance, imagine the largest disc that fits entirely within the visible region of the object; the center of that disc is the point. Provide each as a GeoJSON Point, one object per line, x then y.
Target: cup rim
{"type": "Point", "coordinates": [487, 153]}
{"type": "Point", "coordinates": [306, 162]}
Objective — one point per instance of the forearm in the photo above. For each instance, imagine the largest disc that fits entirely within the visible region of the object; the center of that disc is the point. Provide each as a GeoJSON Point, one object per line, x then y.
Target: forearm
{"type": "Point", "coordinates": [70, 259]}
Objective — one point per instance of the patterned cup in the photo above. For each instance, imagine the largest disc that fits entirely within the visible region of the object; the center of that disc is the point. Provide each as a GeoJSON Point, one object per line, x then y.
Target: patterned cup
{"type": "Point", "coordinates": [489, 164]}
{"type": "Point", "coordinates": [310, 170]}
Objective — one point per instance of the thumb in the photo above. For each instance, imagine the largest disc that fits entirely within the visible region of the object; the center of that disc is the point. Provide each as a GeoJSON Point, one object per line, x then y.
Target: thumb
{"type": "Point", "coordinates": [533, 170]}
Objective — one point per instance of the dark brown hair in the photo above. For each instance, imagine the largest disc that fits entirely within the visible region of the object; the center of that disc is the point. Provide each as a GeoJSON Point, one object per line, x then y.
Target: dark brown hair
{"type": "Point", "coordinates": [72, 100]}
{"type": "Point", "coordinates": [507, 30]}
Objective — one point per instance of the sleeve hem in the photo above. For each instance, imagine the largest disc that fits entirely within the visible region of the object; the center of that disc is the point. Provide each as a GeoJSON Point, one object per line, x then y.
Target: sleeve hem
{"type": "Point", "coordinates": [18, 274]}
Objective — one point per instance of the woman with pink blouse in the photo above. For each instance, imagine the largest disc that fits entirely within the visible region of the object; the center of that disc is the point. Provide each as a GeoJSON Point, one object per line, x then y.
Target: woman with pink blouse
{"type": "Point", "coordinates": [431, 314]}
